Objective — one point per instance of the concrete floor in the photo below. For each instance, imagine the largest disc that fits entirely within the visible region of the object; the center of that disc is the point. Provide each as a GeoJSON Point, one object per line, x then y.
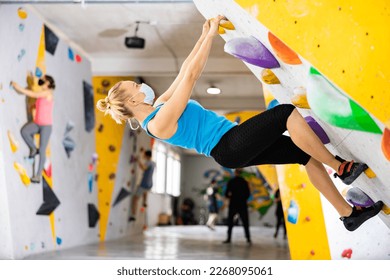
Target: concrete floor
{"type": "Point", "coordinates": [182, 242]}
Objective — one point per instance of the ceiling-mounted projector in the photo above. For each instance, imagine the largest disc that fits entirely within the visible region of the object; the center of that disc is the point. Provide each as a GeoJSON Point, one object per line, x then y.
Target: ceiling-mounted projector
{"type": "Point", "coordinates": [135, 42]}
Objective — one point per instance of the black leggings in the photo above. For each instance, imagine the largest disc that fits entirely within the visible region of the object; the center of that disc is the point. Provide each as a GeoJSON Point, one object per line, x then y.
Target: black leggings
{"type": "Point", "coordinates": [259, 140]}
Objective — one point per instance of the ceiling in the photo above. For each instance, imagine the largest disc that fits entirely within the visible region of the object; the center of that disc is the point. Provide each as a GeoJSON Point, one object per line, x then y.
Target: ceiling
{"type": "Point", "coordinates": [170, 31]}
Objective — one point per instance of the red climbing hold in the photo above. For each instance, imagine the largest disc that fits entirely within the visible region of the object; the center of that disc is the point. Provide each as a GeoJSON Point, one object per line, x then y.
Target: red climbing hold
{"type": "Point", "coordinates": [347, 253]}
{"type": "Point", "coordinates": [78, 58]}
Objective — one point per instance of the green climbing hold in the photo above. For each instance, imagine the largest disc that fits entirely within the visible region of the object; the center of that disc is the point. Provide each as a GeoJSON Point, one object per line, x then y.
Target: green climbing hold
{"type": "Point", "coordinates": [333, 107]}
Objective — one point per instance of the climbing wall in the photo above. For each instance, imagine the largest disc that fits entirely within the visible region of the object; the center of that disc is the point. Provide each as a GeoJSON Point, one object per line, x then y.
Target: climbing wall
{"type": "Point", "coordinates": [325, 58]}
{"type": "Point", "coordinates": [116, 175]}
{"type": "Point", "coordinates": [72, 203]}
{"type": "Point", "coordinates": [43, 216]}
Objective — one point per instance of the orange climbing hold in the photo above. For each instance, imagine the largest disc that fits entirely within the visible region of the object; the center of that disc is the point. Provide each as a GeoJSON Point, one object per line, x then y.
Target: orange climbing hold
{"type": "Point", "coordinates": [269, 77]}
{"type": "Point", "coordinates": [286, 54]}
{"type": "Point", "coordinates": [386, 143]}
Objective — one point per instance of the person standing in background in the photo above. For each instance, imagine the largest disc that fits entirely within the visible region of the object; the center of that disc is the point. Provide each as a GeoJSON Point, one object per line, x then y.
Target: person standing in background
{"type": "Point", "coordinates": [279, 214]}
{"type": "Point", "coordinates": [238, 192]}
{"type": "Point", "coordinates": [146, 183]}
{"type": "Point", "coordinates": [212, 197]}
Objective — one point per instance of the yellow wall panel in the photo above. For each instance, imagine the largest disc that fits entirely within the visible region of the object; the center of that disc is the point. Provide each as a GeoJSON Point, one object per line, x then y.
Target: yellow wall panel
{"type": "Point", "coordinates": [108, 134]}
{"type": "Point", "coordinates": [307, 238]}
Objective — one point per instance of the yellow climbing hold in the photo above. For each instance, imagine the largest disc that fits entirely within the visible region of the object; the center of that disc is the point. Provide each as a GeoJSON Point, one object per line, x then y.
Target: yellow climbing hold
{"type": "Point", "coordinates": [22, 13]}
{"type": "Point", "coordinates": [299, 98]}
{"type": "Point", "coordinates": [268, 77]}
{"type": "Point", "coordinates": [14, 144]}
{"type": "Point", "coordinates": [227, 24]}
{"type": "Point", "coordinates": [344, 191]}
{"type": "Point", "coordinates": [369, 173]}
{"type": "Point", "coordinates": [23, 173]}
{"type": "Point", "coordinates": [386, 209]}
{"type": "Point", "coordinates": [221, 30]}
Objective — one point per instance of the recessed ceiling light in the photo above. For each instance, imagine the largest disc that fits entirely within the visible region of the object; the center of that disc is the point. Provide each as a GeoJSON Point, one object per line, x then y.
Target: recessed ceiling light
{"type": "Point", "coordinates": [213, 90]}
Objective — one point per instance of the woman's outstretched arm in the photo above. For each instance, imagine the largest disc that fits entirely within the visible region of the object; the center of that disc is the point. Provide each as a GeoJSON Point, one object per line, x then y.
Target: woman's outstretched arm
{"type": "Point", "coordinates": [164, 124]}
{"type": "Point", "coordinates": [168, 93]}
{"type": "Point", "coordinates": [28, 92]}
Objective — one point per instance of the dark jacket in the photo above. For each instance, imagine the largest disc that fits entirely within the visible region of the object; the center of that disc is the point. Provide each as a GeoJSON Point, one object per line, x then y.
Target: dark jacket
{"type": "Point", "coordinates": [238, 192]}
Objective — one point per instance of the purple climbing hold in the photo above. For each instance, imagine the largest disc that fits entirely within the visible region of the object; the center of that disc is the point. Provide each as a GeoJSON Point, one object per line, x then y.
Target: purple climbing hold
{"type": "Point", "coordinates": [359, 198]}
{"type": "Point", "coordinates": [252, 51]}
{"type": "Point", "coordinates": [317, 129]}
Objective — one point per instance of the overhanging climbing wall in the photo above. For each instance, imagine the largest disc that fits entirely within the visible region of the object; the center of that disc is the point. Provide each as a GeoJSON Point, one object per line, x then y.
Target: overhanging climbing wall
{"type": "Point", "coordinates": [331, 61]}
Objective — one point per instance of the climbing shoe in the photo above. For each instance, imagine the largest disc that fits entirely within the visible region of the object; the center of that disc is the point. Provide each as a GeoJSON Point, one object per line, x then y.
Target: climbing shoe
{"type": "Point", "coordinates": [33, 153]}
{"type": "Point", "coordinates": [36, 179]}
{"type": "Point", "coordinates": [349, 170]}
{"type": "Point", "coordinates": [359, 216]}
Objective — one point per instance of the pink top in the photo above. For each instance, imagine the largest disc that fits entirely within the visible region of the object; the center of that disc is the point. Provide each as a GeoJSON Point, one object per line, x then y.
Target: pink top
{"type": "Point", "coordinates": [44, 111]}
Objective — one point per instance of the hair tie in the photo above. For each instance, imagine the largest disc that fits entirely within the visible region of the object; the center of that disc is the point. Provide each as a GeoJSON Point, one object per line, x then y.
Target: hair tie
{"type": "Point", "coordinates": [108, 103]}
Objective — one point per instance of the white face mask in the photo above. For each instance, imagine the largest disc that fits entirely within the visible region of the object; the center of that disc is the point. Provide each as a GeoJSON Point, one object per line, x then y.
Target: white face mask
{"type": "Point", "coordinates": [131, 125]}
{"type": "Point", "coordinates": [149, 93]}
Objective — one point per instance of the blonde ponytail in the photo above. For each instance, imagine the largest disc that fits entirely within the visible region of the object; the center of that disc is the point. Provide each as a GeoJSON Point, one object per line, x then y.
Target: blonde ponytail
{"type": "Point", "coordinates": [114, 104]}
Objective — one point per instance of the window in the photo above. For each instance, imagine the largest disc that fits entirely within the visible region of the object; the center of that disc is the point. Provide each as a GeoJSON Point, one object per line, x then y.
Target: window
{"type": "Point", "coordinates": [168, 169]}
{"type": "Point", "coordinates": [160, 152]}
{"type": "Point", "coordinates": [176, 178]}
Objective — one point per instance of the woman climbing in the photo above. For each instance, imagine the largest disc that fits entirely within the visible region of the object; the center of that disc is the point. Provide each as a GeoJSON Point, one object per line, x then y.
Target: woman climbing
{"type": "Point", "coordinates": [42, 121]}
{"type": "Point", "coordinates": [176, 119]}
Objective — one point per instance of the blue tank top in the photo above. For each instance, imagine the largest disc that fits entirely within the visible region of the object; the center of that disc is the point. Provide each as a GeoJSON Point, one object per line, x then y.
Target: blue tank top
{"type": "Point", "coordinates": [198, 128]}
